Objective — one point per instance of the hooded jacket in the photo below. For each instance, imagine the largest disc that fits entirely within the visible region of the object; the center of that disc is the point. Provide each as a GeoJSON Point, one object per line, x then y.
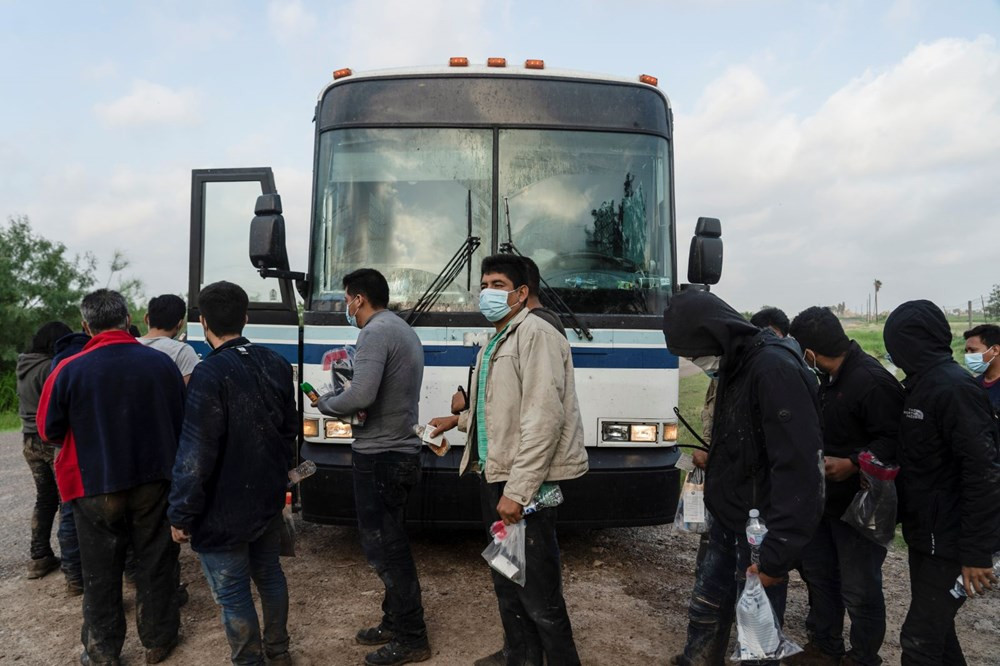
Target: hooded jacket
{"type": "Point", "coordinates": [949, 446]}
{"type": "Point", "coordinates": [69, 345]}
{"type": "Point", "coordinates": [767, 447]}
{"type": "Point", "coordinates": [32, 369]}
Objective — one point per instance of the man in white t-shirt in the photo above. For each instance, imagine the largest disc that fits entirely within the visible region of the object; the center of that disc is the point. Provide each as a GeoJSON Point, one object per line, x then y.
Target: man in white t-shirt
{"type": "Point", "coordinates": [165, 318]}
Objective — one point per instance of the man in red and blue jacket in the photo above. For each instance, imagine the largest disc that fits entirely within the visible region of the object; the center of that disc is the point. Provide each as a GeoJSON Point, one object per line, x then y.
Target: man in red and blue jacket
{"type": "Point", "coordinates": [116, 409]}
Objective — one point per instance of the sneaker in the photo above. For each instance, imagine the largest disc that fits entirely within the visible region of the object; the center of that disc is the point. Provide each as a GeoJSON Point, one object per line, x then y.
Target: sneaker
{"type": "Point", "coordinates": [394, 654]}
{"type": "Point", "coordinates": [181, 596]}
{"type": "Point", "coordinates": [283, 659]}
{"type": "Point", "coordinates": [812, 655]}
{"type": "Point", "coordinates": [374, 636]}
{"type": "Point", "coordinates": [158, 654]}
{"type": "Point", "coordinates": [74, 588]}
{"type": "Point", "coordinates": [495, 659]}
{"type": "Point", "coordinates": [43, 566]}
{"type": "Point", "coordinates": [85, 660]}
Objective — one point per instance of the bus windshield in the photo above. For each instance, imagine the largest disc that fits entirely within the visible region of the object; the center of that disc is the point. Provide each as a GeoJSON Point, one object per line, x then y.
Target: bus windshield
{"type": "Point", "coordinates": [592, 210]}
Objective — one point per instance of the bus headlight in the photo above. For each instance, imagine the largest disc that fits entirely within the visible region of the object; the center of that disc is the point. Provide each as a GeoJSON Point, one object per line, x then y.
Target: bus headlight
{"type": "Point", "coordinates": [669, 432]}
{"type": "Point", "coordinates": [629, 432]}
{"type": "Point", "coordinates": [310, 427]}
{"type": "Point", "coordinates": [615, 432]}
{"type": "Point", "coordinates": [643, 433]}
{"type": "Point", "coordinates": [337, 429]}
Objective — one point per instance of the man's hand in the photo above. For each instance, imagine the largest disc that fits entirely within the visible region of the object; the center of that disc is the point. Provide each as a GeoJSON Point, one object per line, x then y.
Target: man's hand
{"type": "Point", "coordinates": [978, 580]}
{"type": "Point", "coordinates": [839, 469]}
{"type": "Point", "coordinates": [765, 580]}
{"type": "Point", "coordinates": [509, 510]}
{"type": "Point", "coordinates": [699, 458]}
{"type": "Point", "coordinates": [459, 401]}
{"type": "Point", "coordinates": [442, 424]}
{"type": "Point", "coordinates": [179, 534]}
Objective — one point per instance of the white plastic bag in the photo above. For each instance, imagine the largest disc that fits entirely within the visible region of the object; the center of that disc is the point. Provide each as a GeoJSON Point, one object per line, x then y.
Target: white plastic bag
{"type": "Point", "coordinates": [506, 552]}
{"type": "Point", "coordinates": [691, 514]}
{"type": "Point", "coordinates": [758, 634]}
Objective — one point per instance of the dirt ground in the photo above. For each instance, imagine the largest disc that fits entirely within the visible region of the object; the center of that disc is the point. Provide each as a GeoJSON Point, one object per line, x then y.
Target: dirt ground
{"type": "Point", "coordinates": [627, 592]}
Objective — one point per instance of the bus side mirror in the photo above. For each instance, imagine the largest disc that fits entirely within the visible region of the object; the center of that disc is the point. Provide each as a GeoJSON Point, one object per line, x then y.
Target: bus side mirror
{"type": "Point", "coordinates": [705, 258]}
{"type": "Point", "coordinates": [267, 234]}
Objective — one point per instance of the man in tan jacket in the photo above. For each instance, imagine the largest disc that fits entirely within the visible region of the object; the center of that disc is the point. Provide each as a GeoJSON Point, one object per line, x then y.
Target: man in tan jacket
{"type": "Point", "coordinates": [525, 435]}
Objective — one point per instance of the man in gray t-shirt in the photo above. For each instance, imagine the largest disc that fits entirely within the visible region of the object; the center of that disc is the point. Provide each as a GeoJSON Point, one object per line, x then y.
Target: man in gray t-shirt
{"type": "Point", "coordinates": [388, 371]}
{"type": "Point", "coordinates": [165, 318]}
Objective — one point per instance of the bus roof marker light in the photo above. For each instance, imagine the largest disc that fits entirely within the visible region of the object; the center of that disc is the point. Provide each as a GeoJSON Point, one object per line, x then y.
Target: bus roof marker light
{"type": "Point", "coordinates": [496, 62]}
{"type": "Point", "coordinates": [458, 62]}
{"type": "Point", "coordinates": [534, 64]}
{"type": "Point", "coordinates": [341, 73]}
{"type": "Point", "coordinates": [646, 78]}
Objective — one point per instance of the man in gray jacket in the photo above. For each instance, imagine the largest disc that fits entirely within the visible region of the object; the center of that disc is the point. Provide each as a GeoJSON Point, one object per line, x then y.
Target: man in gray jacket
{"type": "Point", "coordinates": [388, 372]}
{"type": "Point", "coordinates": [525, 435]}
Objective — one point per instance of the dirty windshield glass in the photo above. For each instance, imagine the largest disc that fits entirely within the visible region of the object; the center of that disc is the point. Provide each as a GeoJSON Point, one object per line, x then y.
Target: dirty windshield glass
{"type": "Point", "coordinates": [591, 209]}
{"type": "Point", "coordinates": [398, 200]}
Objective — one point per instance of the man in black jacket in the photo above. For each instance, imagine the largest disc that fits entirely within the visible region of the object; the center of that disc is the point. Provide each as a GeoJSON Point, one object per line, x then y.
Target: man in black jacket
{"type": "Point", "coordinates": [231, 472]}
{"type": "Point", "coordinates": [766, 454]}
{"type": "Point", "coordinates": [949, 457]}
{"type": "Point", "coordinates": [862, 404]}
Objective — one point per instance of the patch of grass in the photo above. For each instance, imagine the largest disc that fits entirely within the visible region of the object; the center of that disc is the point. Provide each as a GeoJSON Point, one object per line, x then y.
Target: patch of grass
{"type": "Point", "coordinates": [692, 398]}
{"type": "Point", "coordinates": [9, 421]}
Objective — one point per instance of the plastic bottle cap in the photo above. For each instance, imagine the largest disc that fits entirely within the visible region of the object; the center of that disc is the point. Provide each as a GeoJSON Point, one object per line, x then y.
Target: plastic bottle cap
{"type": "Point", "coordinates": [754, 513]}
{"type": "Point", "coordinates": [288, 498]}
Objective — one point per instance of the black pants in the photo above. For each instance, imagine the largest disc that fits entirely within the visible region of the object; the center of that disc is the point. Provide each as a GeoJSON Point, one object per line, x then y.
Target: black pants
{"type": "Point", "coordinates": [106, 525]}
{"type": "Point", "coordinates": [39, 456]}
{"type": "Point", "coordinates": [382, 483]}
{"type": "Point", "coordinates": [534, 617]}
{"type": "Point", "coordinates": [928, 634]}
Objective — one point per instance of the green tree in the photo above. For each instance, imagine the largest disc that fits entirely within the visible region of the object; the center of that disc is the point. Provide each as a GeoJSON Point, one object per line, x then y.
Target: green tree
{"type": "Point", "coordinates": [39, 282]}
{"type": "Point", "coordinates": [993, 305]}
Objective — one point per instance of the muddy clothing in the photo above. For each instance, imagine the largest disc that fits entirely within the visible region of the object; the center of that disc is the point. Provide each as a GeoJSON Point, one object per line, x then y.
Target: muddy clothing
{"type": "Point", "coordinates": [949, 447]}
{"type": "Point", "coordinates": [928, 636]}
{"type": "Point", "coordinates": [236, 446]}
{"type": "Point", "coordinates": [862, 406]}
{"type": "Point", "coordinates": [39, 457]}
{"type": "Point", "coordinates": [766, 448]}
{"type": "Point", "coordinates": [31, 371]}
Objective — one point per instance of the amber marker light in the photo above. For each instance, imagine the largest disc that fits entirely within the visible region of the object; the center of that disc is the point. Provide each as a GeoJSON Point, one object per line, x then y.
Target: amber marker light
{"type": "Point", "coordinates": [458, 62]}
{"type": "Point", "coordinates": [534, 64]}
{"type": "Point", "coordinates": [496, 62]}
{"type": "Point", "coordinates": [646, 78]}
{"type": "Point", "coordinates": [341, 73]}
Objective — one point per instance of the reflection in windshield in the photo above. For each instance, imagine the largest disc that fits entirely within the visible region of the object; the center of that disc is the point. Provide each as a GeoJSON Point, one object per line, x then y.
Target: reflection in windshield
{"type": "Point", "coordinates": [401, 201]}
{"type": "Point", "coordinates": [591, 210]}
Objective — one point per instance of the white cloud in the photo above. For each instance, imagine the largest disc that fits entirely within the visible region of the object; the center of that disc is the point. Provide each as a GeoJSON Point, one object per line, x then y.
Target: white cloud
{"type": "Point", "coordinates": [289, 20]}
{"type": "Point", "coordinates": [151, 104]}
{"type": "Point", "coordinates": [100, 71]}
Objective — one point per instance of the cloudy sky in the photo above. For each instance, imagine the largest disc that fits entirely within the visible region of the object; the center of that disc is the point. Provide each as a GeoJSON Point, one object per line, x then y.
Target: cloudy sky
{"type": "Point", "coordinates": [839, 142]}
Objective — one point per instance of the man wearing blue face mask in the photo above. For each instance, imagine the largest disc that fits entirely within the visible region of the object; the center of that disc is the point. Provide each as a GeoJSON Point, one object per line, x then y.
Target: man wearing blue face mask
{"type": "Point", "coordinates": [388, 372]}
{"type": "Point", "coordinates": [525, 435]}
{"type": "Point", "coordinates": [982, 357]}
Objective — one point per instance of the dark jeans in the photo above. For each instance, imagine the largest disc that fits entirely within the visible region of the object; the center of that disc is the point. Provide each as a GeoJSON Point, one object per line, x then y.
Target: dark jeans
{"type": "Point", "coordinates": [229, 573]}
{"type": "Point", "coordinates": [382, 483]}
{"type": "Point", "coordinates": [39, 456]}
{"type": "Point", "coordinates": [69, 545]}
{"type": "Point", "coordinates": [843, 569]}
{"type": "Point", "coordinates": [718, 583]}
{"type": "Point", "coordinates": [928, 634]}
{"type": "Point", "coordinates": [106, 525]}
{"type": "Point", "coordinates": [534, 617]}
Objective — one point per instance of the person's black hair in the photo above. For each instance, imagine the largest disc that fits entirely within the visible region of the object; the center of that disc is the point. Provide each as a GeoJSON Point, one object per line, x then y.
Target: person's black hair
{"type": "Point", "coordinates": [820, 330]}
{"type": "Point", "coordinates": [533, 278]}
{"type": "Point", "coordinates": [509, 265]}
{"type": "Point", "coordinates": [771, 317]}
{"type": "Point", "coordinates": [104, 310]}
{"type": "Point", "coordinates": [134, 331]}
{"type": "Point", "coordinates": [988, 333]}
{"type": "Point", "coordinates": [44, 340]}
{"type": "Point", "coordinates": [369, 283]}
{"type": "Point", "coordinates": [166, 311]}
{"type": "Point", "coordinates": [224, 307]}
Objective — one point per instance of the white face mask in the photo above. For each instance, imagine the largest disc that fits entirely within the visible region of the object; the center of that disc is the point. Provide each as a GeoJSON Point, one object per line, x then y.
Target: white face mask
{"type": "Point", "coordinates": [709, 365]}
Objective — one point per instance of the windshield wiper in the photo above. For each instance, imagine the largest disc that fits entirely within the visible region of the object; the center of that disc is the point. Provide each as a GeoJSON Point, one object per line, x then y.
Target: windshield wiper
{"type": "Point", "coordinates": [451, 270]}
{"type": "Point", "coordinates": [547, 295]}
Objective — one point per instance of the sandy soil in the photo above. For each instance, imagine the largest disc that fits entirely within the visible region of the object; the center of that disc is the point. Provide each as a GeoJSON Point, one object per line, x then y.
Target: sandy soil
{"type": "Point", "coordinates": [627, 592]}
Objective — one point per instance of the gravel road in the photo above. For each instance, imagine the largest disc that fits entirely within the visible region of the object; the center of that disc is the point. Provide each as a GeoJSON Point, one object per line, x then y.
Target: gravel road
{"type": "Point", "coordinates": [627, 593]}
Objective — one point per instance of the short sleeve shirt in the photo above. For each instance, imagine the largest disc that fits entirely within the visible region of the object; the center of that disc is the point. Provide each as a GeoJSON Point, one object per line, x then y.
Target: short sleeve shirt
{"type": "Point", "coordinates": [181, 353]}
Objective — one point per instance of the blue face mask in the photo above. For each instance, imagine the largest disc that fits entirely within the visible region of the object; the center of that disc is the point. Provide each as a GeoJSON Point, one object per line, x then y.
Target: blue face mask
{"type": "Point", "coordinates": [493, 303]}
{"type": "Point", "coordinates": [352, 319]}
{"type": "Point", "coordinates": [976, 364]}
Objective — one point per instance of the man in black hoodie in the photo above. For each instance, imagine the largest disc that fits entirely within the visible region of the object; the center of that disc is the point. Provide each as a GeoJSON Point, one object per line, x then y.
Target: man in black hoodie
{"type": "Point", "coordinates": [949, 457]}
{"type": "Point", "coordinates": [766, 454]}
{"type": "Point", "coordinates": [862, 404]}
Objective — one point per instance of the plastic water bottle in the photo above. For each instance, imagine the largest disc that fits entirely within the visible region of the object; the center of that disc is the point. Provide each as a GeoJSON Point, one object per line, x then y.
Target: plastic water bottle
{"type": "Point", "coordinates": [306, 469]}
{"type": "Point", "coordinates": [544, 500]}
{"type": "Point", "coordinates": [756, 531]}
{"type": "Point", "coordinates": [958, 591]}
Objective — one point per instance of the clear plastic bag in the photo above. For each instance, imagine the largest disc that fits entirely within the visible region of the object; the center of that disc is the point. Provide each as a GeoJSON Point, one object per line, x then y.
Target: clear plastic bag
{"type": "Point", "coordinates": [758, 634]}
{"type": "Point", "coordinates": [873, 510]}
{"type": "Point", "coordinates": [691, 514]}
{"type": "Point", "coordinates": [506, 552]}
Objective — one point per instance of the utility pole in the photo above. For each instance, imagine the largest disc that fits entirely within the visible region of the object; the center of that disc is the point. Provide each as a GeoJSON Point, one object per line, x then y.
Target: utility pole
{"type": "Point", "coordinates": [970, 314]}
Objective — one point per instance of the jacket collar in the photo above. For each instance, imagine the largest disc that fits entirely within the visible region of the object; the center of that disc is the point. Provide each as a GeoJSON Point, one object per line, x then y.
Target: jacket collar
{"type": "Point", "coordinates": [113, 337]}
{"type": "Point", "coordinates": [235, 342]}
{"type": "Point", "coordinates": [513, 324]}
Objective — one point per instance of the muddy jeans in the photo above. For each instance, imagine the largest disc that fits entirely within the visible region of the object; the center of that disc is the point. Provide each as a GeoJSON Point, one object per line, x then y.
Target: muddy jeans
{"type": "Point", "coordinates": [534, 617]}
{"type": "Point", "coordinates": [39, 456]}
{"type": "Point", "coordinates": [229, 573]}
{"type": "Point", "coordinates": [105, 525]}
{"type": "Point", "coordinates": [928, 634]}
{"type": "Point", "coordinates": [382, 484]}
{"type": "Point", "coordinates": [718, 583]}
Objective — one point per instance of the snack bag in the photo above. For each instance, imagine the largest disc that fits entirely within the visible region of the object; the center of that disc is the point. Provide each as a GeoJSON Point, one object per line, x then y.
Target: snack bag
{"type": "Point", "coordinates": [758, 634]}
{"type": "Point", "coordinates": [339, 362]}
{"type": "Point", "coordinates": [691, 514]}
{"type": "Point", "coordinates": [873, 510]}
{"type": "Point", "coordinates": [506, 552]}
